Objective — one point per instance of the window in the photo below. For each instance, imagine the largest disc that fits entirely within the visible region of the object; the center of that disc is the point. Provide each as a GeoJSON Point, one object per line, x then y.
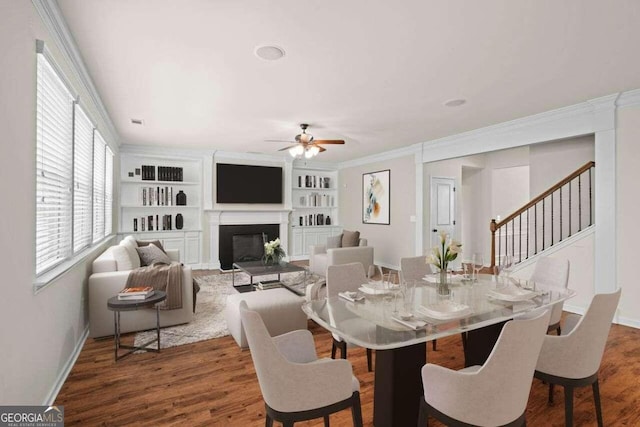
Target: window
{"type": "Point", "coordinates": [99, 150]}
{"type": "Point", "coordinates": [108, 192]}
{"type": "Point", "coordinates": [82, 180]}
{"type": "Point", "coordinates": [54, 118]}
{"type": "Point", "coordinates": [74, 172]}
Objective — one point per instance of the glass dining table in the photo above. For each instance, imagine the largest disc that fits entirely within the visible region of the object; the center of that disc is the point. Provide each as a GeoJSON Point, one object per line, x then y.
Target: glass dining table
{"type": "Point", "coordinates": [398, 322]}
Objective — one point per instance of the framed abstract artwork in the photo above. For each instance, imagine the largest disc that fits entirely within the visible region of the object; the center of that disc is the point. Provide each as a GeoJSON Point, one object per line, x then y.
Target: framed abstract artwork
{"type": "Point", "coordinates": [376, 197]}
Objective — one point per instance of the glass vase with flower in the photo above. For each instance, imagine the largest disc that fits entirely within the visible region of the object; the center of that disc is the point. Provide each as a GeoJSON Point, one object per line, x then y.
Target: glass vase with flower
{"type": "Point", "coordinates": [441, 256]}
{"type": "Point", "coordinates": [273, 252]}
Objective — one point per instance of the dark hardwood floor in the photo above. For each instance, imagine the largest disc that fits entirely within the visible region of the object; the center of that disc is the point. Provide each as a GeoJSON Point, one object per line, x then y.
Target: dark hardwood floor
{"type": "Point", "coordinates": [213, 383]}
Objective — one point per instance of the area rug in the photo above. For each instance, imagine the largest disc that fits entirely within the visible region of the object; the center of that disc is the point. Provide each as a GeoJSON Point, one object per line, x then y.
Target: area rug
{"type": "Point", "coordinates": [208, 321]}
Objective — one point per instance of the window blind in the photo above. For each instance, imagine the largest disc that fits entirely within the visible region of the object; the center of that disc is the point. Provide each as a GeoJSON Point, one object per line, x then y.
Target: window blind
{"type": "Point", "coordinates": [54, 118]}
{"type": "Point", "coordinates": [99, 150]}
{"type": "Point", "coordinates": [108, 192]}
{"type": "Point", "coordinates": [82, 179]}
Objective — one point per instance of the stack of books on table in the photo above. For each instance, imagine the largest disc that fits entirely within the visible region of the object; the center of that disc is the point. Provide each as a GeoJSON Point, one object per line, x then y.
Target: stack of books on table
{"type": "Point", "coordinates": [136, 293]}
{"type": "Point", "coordinates": [269, 284]}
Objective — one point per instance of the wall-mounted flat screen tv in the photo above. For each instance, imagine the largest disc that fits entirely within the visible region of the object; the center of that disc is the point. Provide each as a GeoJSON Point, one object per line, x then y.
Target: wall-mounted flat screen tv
{"type": "Point", "coordinates": [248, 184]}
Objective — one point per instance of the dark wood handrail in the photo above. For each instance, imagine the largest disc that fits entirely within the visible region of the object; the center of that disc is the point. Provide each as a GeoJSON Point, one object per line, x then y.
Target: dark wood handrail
{"type": "Point", "coordinates": [494, 226]}
{"type": "Point", "coordinates": [552, 189]}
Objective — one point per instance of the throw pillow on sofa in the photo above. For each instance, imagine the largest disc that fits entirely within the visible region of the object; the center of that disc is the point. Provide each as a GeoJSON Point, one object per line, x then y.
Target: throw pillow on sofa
{"type": "Point", "coordinates": [142, 243]}
{"type": "Point", "coordinates": [151, 254]}
{"type": "Point", "coordinates": [350, 238]}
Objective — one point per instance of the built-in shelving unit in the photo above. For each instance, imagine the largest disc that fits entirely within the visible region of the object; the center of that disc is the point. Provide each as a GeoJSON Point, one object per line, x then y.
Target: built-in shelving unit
{"type": "Point", "coordinates": [314, 201]}
{"type": "Point", "coordinates": [149, 207]}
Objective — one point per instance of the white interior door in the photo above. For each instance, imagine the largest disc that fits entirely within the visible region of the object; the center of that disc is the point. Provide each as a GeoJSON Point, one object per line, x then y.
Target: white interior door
{"type": "Point", "coordinates": [443, 216]}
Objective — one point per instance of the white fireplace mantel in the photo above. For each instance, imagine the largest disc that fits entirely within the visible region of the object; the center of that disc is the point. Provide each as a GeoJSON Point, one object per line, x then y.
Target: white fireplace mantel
{"type": "Point", "coordinates": [218, 217]}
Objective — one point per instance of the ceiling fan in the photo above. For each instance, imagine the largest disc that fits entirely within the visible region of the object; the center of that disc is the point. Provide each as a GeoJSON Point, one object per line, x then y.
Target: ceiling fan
{"type": "Point", "coordinates": [305, 144]}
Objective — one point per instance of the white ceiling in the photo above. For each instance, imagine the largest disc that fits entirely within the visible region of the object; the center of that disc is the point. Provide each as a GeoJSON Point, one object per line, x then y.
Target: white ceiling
{"type": "Point", "coordinates": [375, 73]}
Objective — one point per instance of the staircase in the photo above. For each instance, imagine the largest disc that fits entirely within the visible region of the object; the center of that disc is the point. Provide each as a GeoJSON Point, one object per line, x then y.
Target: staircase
{"type": "Point", "coordinates": [560, 212]}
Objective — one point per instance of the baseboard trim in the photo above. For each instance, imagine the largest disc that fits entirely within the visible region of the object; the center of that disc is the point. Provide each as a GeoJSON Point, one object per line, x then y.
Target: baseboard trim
{"type": "Point", "coordinates": [66, 370]}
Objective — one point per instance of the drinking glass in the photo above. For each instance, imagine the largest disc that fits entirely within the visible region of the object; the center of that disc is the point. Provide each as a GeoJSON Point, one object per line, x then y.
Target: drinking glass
{"type": "Point", "coordinates": [467, 269]}
{"type": "Point", "coordinates": [506, 262]}
{"type": "Point", "coordinates": [478, 263]}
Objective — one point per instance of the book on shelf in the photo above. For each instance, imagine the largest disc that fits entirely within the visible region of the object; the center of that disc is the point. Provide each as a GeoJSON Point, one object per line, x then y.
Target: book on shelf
{"type": "Point", "coordinates": [135, 293]}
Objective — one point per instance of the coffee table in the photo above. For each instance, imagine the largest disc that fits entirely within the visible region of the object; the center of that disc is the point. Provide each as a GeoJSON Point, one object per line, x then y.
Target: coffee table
{"type": "Point", "coordinates": [258, 268]}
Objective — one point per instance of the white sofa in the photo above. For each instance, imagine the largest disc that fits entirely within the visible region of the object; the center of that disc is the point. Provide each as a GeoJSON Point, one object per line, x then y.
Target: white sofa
{"type": "Point", "coordinates": [320, 257]}
{"type": "Point", "coordinates": [110, 272]}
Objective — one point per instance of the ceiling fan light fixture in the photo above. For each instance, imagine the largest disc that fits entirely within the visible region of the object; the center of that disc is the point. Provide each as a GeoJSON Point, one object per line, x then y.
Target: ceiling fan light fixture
{"type": "Point", "coordinates": [308, 154]}
{"type": "Point", "coordinates": [295, 151]}
{"type": "Point", "coordinates": [314, 150]}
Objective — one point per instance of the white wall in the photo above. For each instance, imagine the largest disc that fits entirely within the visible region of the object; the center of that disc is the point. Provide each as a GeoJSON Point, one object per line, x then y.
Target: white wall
{"type": "Point", "coordinates": [552, 161]}
{"type": "Point", "coordinates": [628, 212]}
{"type": "Point", "coordinates": [390, 242]}
{"type": "Point", "coordinates": [39, 332]}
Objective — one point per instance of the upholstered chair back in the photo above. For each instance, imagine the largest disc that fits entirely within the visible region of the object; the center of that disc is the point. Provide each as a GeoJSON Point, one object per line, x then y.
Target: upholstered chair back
{"type": "Point", "coordinates": [294, 381]}
{"type": "Point", "coordinates": [579, 353]}
{"type": "Point", "coordinates": [552, 272]}
{"type": "Point", "coordinates": [345, 277]}
{"type": "Point", "coordinates": [497, 392]}
{"type": "Point", "coordinates": [414, 268]}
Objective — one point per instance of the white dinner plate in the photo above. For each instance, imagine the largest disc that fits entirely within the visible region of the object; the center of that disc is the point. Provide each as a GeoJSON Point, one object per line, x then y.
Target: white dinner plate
{"type": "Point", "coordinates": [375, 288]}
{"type": "Point", "coordinates": [446, 310]}
{"type": "Point", "coordinates": [511, 293]}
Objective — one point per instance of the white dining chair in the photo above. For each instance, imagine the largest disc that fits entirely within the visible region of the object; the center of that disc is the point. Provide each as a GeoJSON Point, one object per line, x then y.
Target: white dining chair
{"type": "Point", "coordinates": [414, 269]}
{"type": "Point", "coordinates": [494, 394]}
{"type": "Point", "coordinates": [346, 278]}
{"type": "Point", "coordinates": [552, 273]}
{"type": "Point", "coordinates": [573, 360]}
{"type": "Point", "coordinates": [295, 384]}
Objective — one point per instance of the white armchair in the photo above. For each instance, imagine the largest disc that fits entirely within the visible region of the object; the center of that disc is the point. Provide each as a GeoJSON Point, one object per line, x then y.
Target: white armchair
{"type": "Point", "coordinates": [320, 257]}
{"type": "Point", "coordinates": [295, 384]}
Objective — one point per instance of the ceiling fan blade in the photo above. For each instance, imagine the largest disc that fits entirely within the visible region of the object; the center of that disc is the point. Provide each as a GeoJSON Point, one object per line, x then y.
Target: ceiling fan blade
{"type": "Point", "coordinates": [287, 148]}
{"type": "Point", "coordinates": [328, 141]}
{"type": "Point", "coordinates": [322, 149]}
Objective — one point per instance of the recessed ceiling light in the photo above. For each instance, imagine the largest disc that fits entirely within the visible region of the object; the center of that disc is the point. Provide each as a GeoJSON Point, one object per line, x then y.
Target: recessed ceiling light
{"type": "Point", "coordinates": [455, 102]}
{"type": "Point", "coordinates": [269, 53]}
{"type": "Point", "coordinates": [137, 122]}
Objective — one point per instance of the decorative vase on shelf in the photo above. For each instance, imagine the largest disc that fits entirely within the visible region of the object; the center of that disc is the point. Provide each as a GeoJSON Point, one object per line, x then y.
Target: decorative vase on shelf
{"type": "Point", "coordinates": [179, 221]}
{"type": "Point", "coordinates": [181, 198]}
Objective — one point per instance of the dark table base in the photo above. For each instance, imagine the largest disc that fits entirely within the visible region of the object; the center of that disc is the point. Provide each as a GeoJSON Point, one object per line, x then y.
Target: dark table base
{"type": "Point", "coordinates": [398, 385]}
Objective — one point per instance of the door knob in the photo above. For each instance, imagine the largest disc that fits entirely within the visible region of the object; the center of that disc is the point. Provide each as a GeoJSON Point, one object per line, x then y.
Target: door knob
{"type": "Point", "coordinates": [434, 230]}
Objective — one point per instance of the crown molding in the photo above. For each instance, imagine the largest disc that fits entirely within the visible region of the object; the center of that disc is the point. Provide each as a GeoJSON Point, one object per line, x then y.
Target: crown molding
{"type": "Point", "coordinates": [580, 119]}
{"type": "Point", "coordinates": [256, 157]}
{"type": "Point", "coordinates": [156, 151]}
{"type": "Point", "coordinates": [409, 150]}
{"type": "Point", "coordinates": [56, 26]}
{"type": "Point", "coordinates": [629, 98]}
